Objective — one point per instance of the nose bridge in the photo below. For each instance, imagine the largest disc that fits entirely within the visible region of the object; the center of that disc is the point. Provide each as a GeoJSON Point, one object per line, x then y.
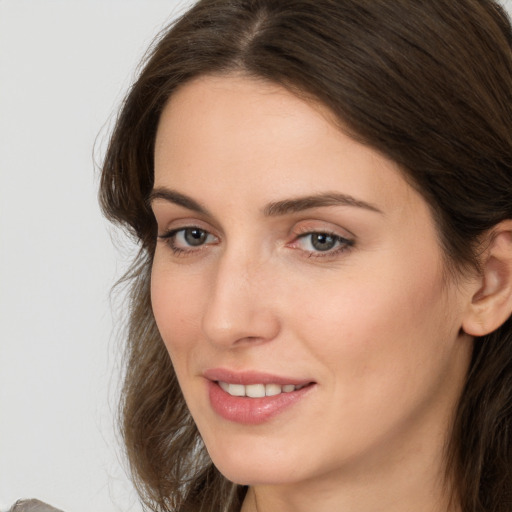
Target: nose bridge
{"type": "Point", "coordinates": [239, 306]}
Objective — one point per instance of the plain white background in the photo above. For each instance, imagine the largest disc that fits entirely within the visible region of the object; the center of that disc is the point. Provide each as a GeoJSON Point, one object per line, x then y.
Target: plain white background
{"type": "Point", "coordinates": [64, 67]}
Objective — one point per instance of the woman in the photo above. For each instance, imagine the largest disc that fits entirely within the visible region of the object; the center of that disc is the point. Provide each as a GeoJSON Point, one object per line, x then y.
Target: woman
{"type": "Point", "coordinates": [320, 310]}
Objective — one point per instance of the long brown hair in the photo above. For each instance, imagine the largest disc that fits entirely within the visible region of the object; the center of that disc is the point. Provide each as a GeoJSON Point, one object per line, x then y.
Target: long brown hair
{"type": "Point", "coordinates": [426, 82]}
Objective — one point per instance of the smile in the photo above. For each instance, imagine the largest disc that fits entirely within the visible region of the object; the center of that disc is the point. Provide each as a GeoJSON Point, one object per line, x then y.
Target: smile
{"type": "Point", "coordinates": [258, 390]}
{"type": "Point", "coordinates": [255, 403]}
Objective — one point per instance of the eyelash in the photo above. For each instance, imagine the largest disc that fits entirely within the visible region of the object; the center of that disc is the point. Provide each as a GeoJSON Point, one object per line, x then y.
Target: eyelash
{"type": "Point", "coordinates": [341, 244]}
{"type": "Point", "coordinates": [170, 239]}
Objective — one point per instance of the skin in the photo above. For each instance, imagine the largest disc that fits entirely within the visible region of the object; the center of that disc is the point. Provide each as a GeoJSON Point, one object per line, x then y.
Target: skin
{"type": "Point", "coordinates": [375, 323]}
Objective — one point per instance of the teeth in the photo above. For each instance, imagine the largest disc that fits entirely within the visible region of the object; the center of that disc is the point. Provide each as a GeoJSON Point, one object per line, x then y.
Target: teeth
{"type": "Point", "coordinates": [224, 386]}
{"type": "Point", "coordinates": [236, 389]}
{"type": "Point", "coordinates": [257, 390]}
{"type": "Point", "coordinates": [272, 389]}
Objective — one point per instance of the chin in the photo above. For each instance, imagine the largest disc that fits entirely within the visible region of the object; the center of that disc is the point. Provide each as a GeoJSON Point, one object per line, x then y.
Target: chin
{"type": "Point", "coordinates": [262, 466]}
{"type": "Point", "coordinates": [251, 476]}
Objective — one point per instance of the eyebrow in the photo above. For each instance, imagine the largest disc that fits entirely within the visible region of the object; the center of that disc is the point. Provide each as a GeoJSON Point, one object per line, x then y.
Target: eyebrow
{"type": "Point", "coordinates": [316, 201]}
{"type": "Point", "coordinates": [273, 209]}
{"type": "Point", "coordinates": [175, 197]}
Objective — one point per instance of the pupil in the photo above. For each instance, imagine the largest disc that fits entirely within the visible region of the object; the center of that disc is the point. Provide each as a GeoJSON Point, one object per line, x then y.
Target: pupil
{"type": "Point", "coordinates": [195, 236]}
{"type": "Point", "coordinates": [323, 242]}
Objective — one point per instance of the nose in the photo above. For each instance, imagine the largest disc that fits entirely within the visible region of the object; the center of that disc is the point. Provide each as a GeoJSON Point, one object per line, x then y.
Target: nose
{"type": "Point", "coordinates": [240, 306]}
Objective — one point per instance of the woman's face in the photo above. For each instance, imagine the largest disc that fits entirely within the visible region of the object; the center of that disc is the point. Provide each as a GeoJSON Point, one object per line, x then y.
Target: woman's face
{"type": "Point", "coordinates": [297, 268]}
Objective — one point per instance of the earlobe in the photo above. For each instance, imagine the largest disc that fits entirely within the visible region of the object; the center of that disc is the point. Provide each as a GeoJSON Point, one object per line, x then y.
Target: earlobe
{"type": "Point", "coordinates": [491, 304]}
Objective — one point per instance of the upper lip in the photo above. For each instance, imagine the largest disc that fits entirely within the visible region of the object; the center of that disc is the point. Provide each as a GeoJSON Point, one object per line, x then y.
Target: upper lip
{"type": "Point", "coordinates": [251, 377]}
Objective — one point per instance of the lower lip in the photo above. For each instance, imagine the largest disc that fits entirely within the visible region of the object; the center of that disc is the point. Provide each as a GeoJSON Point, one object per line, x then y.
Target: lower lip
{"type": "Point", "coordinates": [252, 411]}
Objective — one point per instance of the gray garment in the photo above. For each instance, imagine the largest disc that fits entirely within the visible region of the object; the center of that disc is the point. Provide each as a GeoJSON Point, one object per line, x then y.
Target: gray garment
{"type": "Point", "coordinates": [32, 506]}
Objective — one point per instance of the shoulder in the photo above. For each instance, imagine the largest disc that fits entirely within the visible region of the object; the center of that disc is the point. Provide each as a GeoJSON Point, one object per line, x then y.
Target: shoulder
{"type": "Point", "coordinates": [32, 506]}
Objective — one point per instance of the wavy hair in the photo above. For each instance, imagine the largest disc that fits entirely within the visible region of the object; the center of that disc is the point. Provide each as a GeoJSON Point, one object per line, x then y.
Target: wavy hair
{"type": "Point", "coordinates": [429, 84]}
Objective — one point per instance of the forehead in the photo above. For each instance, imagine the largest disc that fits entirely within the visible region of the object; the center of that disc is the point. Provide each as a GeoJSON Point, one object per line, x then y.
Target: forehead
{"type": "Point", "coordinates": [219, 134]}
{"type": "Point", "coordinates": [250, 109]}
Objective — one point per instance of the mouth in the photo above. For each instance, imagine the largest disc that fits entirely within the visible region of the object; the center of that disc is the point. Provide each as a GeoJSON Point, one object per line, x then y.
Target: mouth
{"type": "Point", "coordinates": [258, 390]}
{"type": "Point", "coordinates": [253, 398]}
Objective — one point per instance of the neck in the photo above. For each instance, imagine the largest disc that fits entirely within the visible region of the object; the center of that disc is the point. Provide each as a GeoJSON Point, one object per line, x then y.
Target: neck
{"type": "Point", "coordinates": [363, 498]}
{"type": "Point", "coordinates": [408, 481]}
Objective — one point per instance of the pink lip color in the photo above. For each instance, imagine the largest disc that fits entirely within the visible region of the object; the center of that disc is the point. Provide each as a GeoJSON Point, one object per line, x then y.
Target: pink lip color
{"type": "Point", "coordinates": [250, 377]}
{"type": "Point", "coordinates": [251, 411]}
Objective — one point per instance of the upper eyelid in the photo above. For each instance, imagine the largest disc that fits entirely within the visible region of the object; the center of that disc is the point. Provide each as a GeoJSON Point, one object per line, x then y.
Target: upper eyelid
{"type": "Point", "coordinates": [299, 228]}
{"type": "Point", "coordinates": [339, 238]}
{"type": "Point", "coordinates": [176, 224]}
{"type": "Point", "coordinates": [301, 206]}
{"type": "Point", "coordinates": [331, 229]}
{"type": "Point", "coordinates": [325, 232]}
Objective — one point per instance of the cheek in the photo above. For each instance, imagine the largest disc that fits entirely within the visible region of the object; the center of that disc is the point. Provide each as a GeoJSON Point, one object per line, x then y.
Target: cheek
{"type": "Point", "coordinates": [383, 329]}
{"type": "Point", "coordinates": [176, 301]}
{"type": "Point", "coordinates": [387, 354]}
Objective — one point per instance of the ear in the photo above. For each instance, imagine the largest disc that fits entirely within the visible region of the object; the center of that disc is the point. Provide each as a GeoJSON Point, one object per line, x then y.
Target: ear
{"type": "Point", "coordinates": [491, 304]}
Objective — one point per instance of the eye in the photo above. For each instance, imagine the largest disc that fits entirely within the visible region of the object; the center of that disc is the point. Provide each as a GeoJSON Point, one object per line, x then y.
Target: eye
{"type": "Point", "coordinates": [192, 236]}
{"type": "Point", "coordinates": [322, 244]}
{"type": "Point", "coordinates": [187, 239]}
{"type": "Point", "coordinates": [322, 241]}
